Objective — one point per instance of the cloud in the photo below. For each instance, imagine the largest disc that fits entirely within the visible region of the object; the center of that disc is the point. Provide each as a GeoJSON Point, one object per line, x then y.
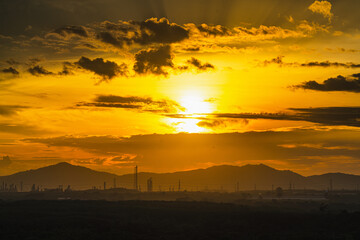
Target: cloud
{"type": "Point", "coordinates": [279, 61]}
{"type": "Point", "coordinates": [217, 30]}
{"type": "Point", "coordinates": [154, 60]}
{"type": "Point", "coordinates": [69, 31]}
{"type": "Point", "coordinates": [10, 70]}
{"type": "Point", "coordinates": [220, 123]}
{"type": "Point", "coordinates": [12, 62]}
{"type": "Point", "coordinates": [39, 71]}
{"type": "Point", "coordinates": [141, 104]}
{"type": "Point", "coordinates": [339, 83]}
{"type": "Point", "coordinates": [200, 66]}
{"type": "Point", "coordinates": [150, 31]}
{"type": "Point", "coordinates": [330, 64]}
{"type": "Point", "coordinates": [21, 129]}
{"type": "Point", "coordinates": [8, 110]}
{"type": "Point", "coordinates": [323, 8]}
{"type": "Point", "coordinates": [124, 35]}
{"type": "Point", "coordinates": [106, 69]}
{"type": "Point", "coordinates": [328, 116]}
{"type": "Point", "coordinates": [160, 31]}
{"type": "Point", "coordinates": [107, 37]}
{"type": "Point", "coordinates": [177, 151]}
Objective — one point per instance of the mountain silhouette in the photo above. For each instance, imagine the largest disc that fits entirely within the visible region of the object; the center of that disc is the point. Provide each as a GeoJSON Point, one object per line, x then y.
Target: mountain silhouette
{"type": "Point", "coordinates": [60, 174]}
{"type": "Point", "coordinates": [222, 177]}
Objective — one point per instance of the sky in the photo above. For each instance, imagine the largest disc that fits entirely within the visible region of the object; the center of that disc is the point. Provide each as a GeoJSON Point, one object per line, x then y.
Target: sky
{"type": "Point", "coordinates": [177, 85]}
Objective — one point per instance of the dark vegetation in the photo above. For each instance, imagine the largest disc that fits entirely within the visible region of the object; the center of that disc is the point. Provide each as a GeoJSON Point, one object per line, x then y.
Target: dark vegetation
{"type": "Point", "coordinates": [176, 220]}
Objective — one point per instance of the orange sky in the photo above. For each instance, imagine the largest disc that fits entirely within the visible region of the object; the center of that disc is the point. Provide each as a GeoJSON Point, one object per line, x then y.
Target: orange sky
{"type": "Point", "coordinates": [173, 86]}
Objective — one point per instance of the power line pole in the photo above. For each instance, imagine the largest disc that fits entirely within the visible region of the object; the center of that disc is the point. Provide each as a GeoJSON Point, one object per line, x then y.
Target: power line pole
{"type": "Point", "coordinates": [136, 187]}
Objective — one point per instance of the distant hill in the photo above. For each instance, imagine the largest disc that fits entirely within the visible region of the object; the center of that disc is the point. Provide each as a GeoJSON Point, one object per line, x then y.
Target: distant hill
{"type": "Point", "coordinates": [60, 174]}
{"type": "Point", "coordinates": [223, 177]}
{"type": "Point", "coordinates": [339, 181]}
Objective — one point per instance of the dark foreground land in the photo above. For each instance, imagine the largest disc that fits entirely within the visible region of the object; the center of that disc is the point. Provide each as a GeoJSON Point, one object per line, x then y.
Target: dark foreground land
{"type": "Point", "coordinates": [33, 219]}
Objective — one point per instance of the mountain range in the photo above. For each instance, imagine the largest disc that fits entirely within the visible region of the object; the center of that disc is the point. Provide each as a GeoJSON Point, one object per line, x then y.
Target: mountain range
{"type": "Point", "coordinates": [224, 177]}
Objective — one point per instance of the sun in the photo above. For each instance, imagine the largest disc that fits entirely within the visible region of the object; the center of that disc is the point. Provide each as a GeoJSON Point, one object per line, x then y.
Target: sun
{"type": "Point", "coordinates": [196, 107]}
{"type": "Point", "coordinates": [194, 103]}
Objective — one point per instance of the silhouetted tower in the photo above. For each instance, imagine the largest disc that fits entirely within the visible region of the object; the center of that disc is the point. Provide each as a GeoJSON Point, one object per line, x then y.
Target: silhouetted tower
{"type": "Point", "coordinates": [331, 185]}
{"type": "Point", "coordinates": [179, 187]}
{"type": "Point", "coordinates": [149, 185]}
{"type": "Point", "coordinates": [136, 187]}
{"type": "Point", "coordinates": [21, 186]}
{"type": "Point", "coordinates": [114, 183]}
{"type": "Point", "coordinates": [104, 185]}
{"type": "Point", "coordinates": [33, 188]}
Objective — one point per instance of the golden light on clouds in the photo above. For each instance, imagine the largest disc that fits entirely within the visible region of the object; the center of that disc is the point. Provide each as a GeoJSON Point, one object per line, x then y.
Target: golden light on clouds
{"type": "Point", "coordinates": [194, 102]}
{"type": "Point", "coordinates": [141, 72]}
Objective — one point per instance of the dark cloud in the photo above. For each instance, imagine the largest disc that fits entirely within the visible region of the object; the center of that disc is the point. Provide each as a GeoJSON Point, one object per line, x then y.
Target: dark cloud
{"type": "Point", "coordinates": [154, 61]}
{"type": "Point", "coordinates": [146, 32]}
{"type": "Point", "coordinates": [192, 49]}
{"type": "Point", "coordinates": [200, 66]}
{"type": "Point", "coordinates": [334, 116]}
{"type": "Point", "coordinates": [339, 83]}
{"type": "Point", "coordinates": [214, 30]}
{"type": "Point", "coordinates": [69, 31]}
{"type": "Point", "coordinates": [87, 45]}
{"type": "Point", "coordinates": [67, 69]}
{"type": "Point", "coordinates": [220, 123]}
{"type": "Point", "coordinates": [160, 31]}
{"type": "Point", "coordinates": [33, 61]}
{"type": "Point", "coordinates": [106, 69]}
{"type": "Point", "coordinates": [7, 110]}
{"type": "Point", "coordinates": [10, 70]}
{"type": "Point", "coordinates": [279, 61]}
{"type": "Point", "coordinates": [173, 151]}
{"type": "Point", "coordinates": [330, 64]}
{"type": "Point", "coordinates": [136, 103]}
{"type": "Point", "coordinates": [12, 62]}
{"type": "Point", "coordinates": [39, 71]}
{"type": "Point", "coordinates": [329, 116]}
{"type": "Point", "coordinates": [107, 37]}
{"type": "Point", "coordinates": [211, 123]}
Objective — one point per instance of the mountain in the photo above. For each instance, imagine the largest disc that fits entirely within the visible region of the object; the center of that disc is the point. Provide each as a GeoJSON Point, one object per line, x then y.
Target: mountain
{"type": "Point", "coordinates": [223, 177]}
{"type": "Point", "coordinates": [338, 181]}
{"type": "Point", "coordinates": [60, 174]}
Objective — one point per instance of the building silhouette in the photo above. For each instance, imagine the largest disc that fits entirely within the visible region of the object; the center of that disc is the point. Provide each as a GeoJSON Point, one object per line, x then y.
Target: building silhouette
{"type": "Point", "coordinates": [149, 185]}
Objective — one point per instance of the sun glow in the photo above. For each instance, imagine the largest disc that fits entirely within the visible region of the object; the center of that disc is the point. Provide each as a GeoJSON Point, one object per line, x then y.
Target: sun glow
{"type": "Point", "coordinates": [195, 106]}
{"type": "Point", "coordinates": [194, 103]}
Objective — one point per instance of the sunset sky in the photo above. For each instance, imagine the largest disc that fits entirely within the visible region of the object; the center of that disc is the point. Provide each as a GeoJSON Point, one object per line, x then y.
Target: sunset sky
{"type": "Point", "coordinates": [176, 85]}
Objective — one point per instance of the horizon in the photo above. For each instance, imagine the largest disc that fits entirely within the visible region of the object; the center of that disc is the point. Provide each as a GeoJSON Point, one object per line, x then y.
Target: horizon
{"type": "Point", "coordinates": [172, 86]}
{"type": "Point", "coordinates": [189, 170]}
